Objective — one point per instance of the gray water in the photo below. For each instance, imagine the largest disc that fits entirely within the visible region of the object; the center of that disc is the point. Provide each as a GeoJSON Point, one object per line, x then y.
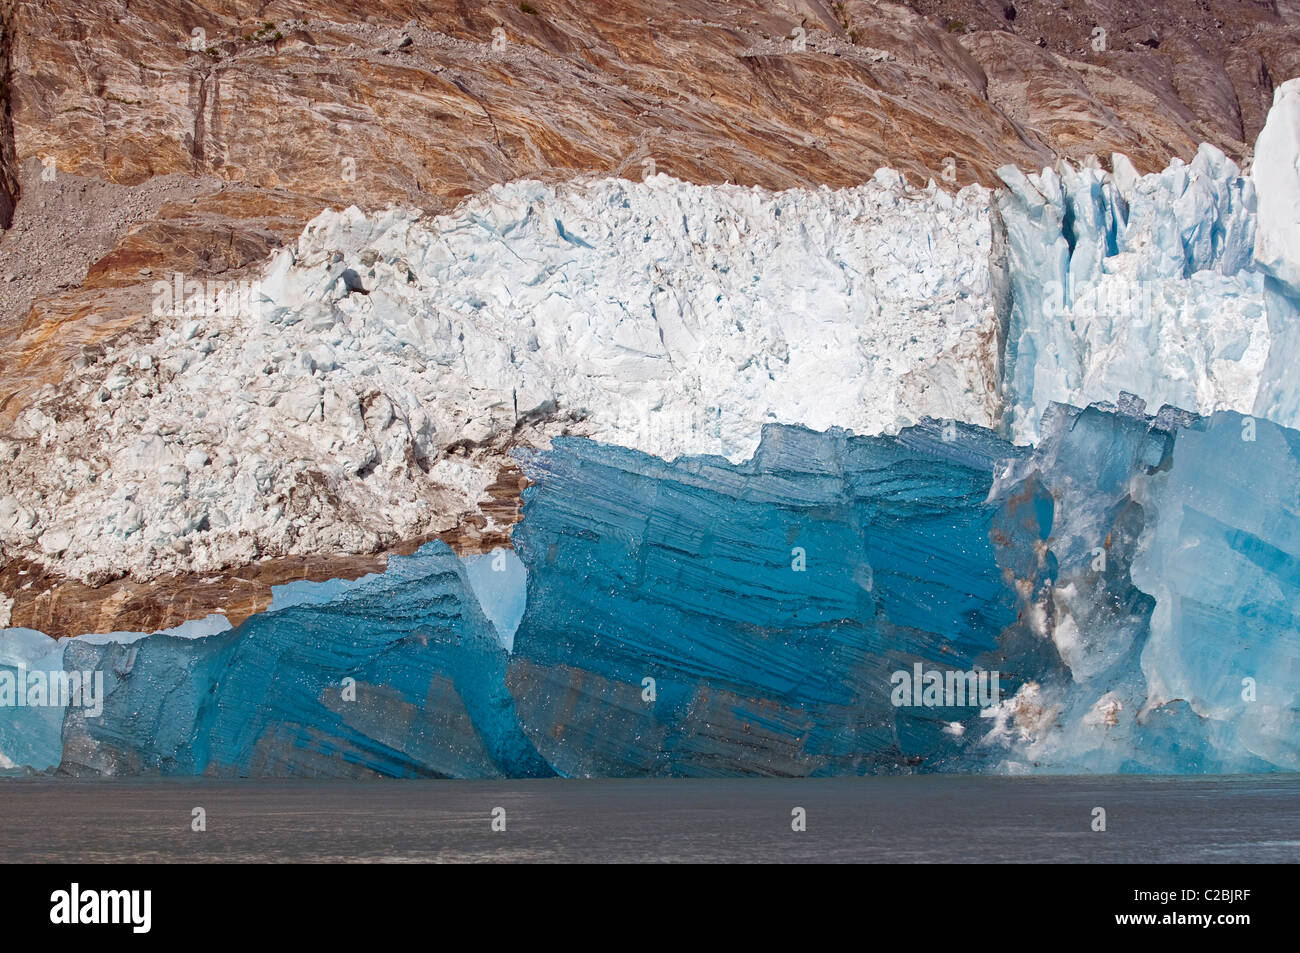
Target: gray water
{"type": "Point", "coordinates": [917, 819]}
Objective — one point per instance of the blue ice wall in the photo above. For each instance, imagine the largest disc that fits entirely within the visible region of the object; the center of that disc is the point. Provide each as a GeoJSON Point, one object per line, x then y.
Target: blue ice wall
{"type": "Point", "coordinates": [770, 602]}
{"type": "Point", "coordinates": [426, 695]}
{"type": "Point", "coordinates": [1169, 576]}
{"type": "Point", "coordinates": [1134, 580]}
{"type": "Point", "coordinates": [1223, 566]}
{"type": "Point", "coordinates": [30, 737]}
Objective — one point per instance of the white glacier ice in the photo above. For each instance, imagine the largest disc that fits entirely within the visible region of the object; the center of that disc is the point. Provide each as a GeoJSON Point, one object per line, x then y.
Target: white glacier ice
{"type": "Point", "coordinates": [393, 361]}
{"type": "Point", "coordinates": [1179, 287]}
{"type": "Point", "coordinates": [361, 403]}
{"type": "Point", "coordinates": [1133, 284]}
{"type": "Point", "coordinates": [670, 318]}
{"type": "Point", "coordinates": [1277, 251]}
{"type": "Point", "coordinates": [1276, 171]}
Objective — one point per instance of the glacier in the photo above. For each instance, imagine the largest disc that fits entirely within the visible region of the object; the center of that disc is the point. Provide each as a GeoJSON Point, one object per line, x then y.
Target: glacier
{"type": "Point", "coordinates": [781, 448]}
{"type": "Point", "coordinates": [1181, 287]}
{"type": "Point", "coordinates": [391, 360]}
{"type": "Point", "coordinates": [699, 618]}
{"type": "Point", "coordinates": [769, 602]}
{"type": "Point", "coordinates": [399, 676]}
{"type": "Point", "coordinates": [374, 380]}
{"type": "Point", "coordinates": [1143, 285]}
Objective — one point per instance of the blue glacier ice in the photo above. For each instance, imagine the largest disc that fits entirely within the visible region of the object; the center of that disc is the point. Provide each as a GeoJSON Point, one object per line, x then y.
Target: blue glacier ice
{"type": "Point", "coordinates": [1223, 565]}
{"type": "Point", "coordinates": [401, 675]}
{"type": "Point", "coordinates": [499, 581]}
{"type": "Point", "coordinates": [30, 737]}
{"type": "Point", "coordinates": [1167, 580]}
{"type": "Point", "coordinates": [1137, 597]}
{"type": "Point", "coordinates": [769, 602]}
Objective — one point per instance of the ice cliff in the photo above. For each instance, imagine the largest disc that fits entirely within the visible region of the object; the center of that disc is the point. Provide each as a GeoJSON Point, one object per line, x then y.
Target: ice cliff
{"type": "Point", "coordinates": [1137, 599]}
{"type": "Point", "coordinates": [401, 675]}
{"type": "Point", "coordinates": [783, 445]}
{"type": "Point", "coordinates": [1180, 287]}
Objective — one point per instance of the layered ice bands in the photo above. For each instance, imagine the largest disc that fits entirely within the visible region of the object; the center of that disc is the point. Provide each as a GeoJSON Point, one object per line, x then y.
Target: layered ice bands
{"type": "Point", "coordinates": [1116, 600]}
{"type": "Point", "coordinates": [1137, 600]}
{"type": "Point", "coordinates": [705, 619]}
{"type": "Point", "coordinates": [400, 675]}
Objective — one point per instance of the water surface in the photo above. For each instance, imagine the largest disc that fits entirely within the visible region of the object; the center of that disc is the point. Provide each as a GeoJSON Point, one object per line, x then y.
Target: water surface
{"type": "Point", "coordinates": [926, 819]}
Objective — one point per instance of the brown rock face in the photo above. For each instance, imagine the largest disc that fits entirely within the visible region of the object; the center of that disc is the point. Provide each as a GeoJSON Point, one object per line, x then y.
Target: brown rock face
{"type": "Point", "coordinates": [144, 137]}
{"type": "Point", "coordinates": [1210, 65]}
{"type": "Point", "coordinates": [62, 607]}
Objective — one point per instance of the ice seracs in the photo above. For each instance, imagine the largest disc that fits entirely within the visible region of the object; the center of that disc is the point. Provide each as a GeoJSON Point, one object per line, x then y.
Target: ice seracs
{"type": "Point", "coordinates": [1180, 287]}
{"type": "Point", "coordinates": [1276, 171]}
{"type": "Point", "coordinates": [1139, 284]}
{"type": "Point", "coordinates": [377, 382]}
{"type": "Point", "coordinates": [371, 392]}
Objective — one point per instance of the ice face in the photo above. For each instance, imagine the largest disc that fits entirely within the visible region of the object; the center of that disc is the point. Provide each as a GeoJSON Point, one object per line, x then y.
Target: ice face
{"type": "Point", "coordinates": [700, 618]}
{"type": "Point", "coordinates": [401, 675]}
{"type": "Point", "coordinates": [1136, 576]}
{"type": "Point", "coordinates": [30, 736]}
{"type": "Point", "coordinates": [1277, 179]}
{"type": "Point", "coordinates": [1277, 252]}
{"type": "Point", "coordinates": [1223, 564]}
{"type": "Point", "coordinates": [1144, 285]}
{"type": "Point", "coordinates": [771, 601]}
{"type": "Point", "coordinates": [1181, 287]}
{"type": "Point", "coordinates": [1168, 591]}
{"type": "Point", "coordinates": [1137, 598]}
